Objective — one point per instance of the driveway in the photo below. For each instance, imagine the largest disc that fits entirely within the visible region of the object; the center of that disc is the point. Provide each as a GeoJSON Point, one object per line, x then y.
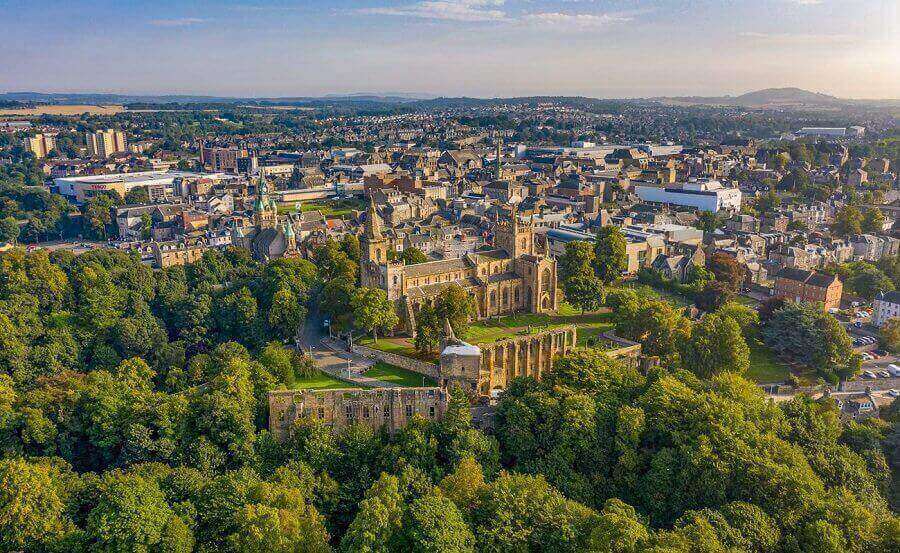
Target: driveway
{"type": "Point", "coordinates": [331, 356]}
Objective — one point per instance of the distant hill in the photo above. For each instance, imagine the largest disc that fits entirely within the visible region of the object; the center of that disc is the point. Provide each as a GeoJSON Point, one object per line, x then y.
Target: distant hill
{"type": "Point", "coordinates": [769, 97]}
{"type": "Point", "coordinates": [786, 96]}
{"type": "Point", "coordinates": [103, 98]}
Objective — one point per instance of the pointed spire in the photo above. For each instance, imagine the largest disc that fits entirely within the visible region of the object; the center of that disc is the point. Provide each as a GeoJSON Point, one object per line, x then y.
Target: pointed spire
{"type": "Point", "coordinates": [262, 187]}
{"type": "Point", "coordinates": [373, 221]}
{"type": "Point", "coordinates": [448, 330]}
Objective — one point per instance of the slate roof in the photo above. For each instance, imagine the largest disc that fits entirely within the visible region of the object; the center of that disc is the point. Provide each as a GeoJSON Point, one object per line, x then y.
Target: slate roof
{"type": "Point", "coordinates": [435, 267]}
{"type": "Point", "coordinates": [813, 278]}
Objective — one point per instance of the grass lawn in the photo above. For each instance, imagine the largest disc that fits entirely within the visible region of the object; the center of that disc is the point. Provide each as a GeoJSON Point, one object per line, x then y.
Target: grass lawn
{"type": "Point", "coordinates": [396, 375]}
{"type": "Point", "coordinates": [329, 208]}
{"type": "Point", "coordinates": [589, 325]}
{"type": "Point", "coordinates": [492, 330]}
{"type": "Point", "coordinates": [586, 333]}
{"type": "Point", "coordinates": [677, 299]}
{"type": "Point", "coordinates": [321, 381]}
{"type": "Point", "coordinates": [765, 367]}
{"type": "Point", "coordinates": [400, 346]}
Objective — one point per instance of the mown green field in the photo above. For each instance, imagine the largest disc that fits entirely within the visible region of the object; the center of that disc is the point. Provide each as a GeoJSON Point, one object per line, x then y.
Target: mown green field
{"type": "Point", "coordinates": [329, 208]}
{"type": "Point", "coordinates": [321, 381]}
{"type": "Point", "coordinates": [396, 375]}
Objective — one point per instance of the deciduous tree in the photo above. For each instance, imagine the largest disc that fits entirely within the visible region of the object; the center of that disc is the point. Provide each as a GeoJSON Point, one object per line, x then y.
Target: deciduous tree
{"type": "Point", "coordinates": [610, 258]}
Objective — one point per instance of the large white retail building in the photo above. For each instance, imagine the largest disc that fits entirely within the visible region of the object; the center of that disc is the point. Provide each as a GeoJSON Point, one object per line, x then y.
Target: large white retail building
{"type": "Point", "coordinates": [707, 195]}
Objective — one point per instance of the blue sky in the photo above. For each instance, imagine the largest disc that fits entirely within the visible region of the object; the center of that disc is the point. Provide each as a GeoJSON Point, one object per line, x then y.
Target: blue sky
{"type": "Point", "coordinates": [603, 48]}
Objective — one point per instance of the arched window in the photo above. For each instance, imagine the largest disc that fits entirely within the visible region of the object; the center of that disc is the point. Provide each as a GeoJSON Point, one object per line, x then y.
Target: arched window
{"type": "Point", "coordinates": [505, 297]}
{"type": "Point", "coordinates": [395, 280]}
{"type": "Point", "coordinates": [493, 298]}
{"type": "Point", "coordinates": [516, 296]}
{"type": "Point", "coordinates": [545, 280]}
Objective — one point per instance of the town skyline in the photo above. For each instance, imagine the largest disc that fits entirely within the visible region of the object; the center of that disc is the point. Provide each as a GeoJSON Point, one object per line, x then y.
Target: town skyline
{"type": "Point", "coordinates": [475, 48]}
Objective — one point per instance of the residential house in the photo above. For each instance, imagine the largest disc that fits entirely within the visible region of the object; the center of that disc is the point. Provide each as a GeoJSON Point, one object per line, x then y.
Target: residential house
{"type": "Point", "coordinates": [808, 286]}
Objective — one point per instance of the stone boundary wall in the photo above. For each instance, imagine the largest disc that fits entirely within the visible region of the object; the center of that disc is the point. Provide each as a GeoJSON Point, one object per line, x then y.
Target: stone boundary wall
{"type": "Point", "coordinates": [624, 347]}
{"type": "Point", "coordinates": [860, 385]}
{"type": "Point", "coordinates": [871, 383]}
{"type": "Point", "coordinates": [408, 363]}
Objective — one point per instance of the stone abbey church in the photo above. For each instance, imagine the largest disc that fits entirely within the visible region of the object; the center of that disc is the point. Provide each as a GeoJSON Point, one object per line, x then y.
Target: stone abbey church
{"type": "Point", "coordinates": [512, 278]}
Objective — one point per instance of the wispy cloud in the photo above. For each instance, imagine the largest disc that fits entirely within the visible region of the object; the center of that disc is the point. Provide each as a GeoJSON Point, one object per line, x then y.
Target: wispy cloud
{"type": "Point", "coordinates": [806, 2]}
{"type": "Point", "coordinates": [257, 8]}
{"type": "Point", "coordinates": [570, 21]}
{"type": "Point", "coordinates": [449, 10]}
{"type": "Point", "coordinates": [178, 22]}
{"type": "Point", "coordinates": [798, 38]}
{"type": "Point", "coordinates": [493, 10]}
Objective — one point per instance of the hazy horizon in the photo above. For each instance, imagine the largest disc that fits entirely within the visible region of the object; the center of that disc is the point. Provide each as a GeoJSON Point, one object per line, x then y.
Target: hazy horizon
{"type": "Point", "coordinates": [476, 48]}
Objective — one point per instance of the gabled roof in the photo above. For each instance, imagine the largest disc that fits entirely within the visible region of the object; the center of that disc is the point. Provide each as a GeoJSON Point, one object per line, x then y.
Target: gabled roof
{"type": "Point", "coordinates": [813, 278]}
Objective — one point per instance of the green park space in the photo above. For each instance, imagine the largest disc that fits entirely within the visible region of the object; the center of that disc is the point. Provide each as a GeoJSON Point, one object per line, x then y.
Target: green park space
{"type": "Point", "coordinates": [590, 325]}
{"type": "Point", "coordinates": [765, 367]}
{"type": "Point", "coordinates": [494, 329]}
{"type": "Point", "coordinates": [395, 375]}
{"type": "Point", "coordinates": [329, 208]}
{"type": "Point", "coordinates": [398, 345]}
{"type": "Point", "coordinates": [320, 381]}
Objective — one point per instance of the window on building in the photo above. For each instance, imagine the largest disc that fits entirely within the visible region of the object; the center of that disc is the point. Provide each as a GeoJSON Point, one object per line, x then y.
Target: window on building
{"type": "Point", "coordinates": [431, 411]}
{"type": "Point", "coordinates": [366, 412]}
{"type": "Point", "coordinates": [349, 411]}
{"type": "Point", "coordinates": [409, 411]}
{"type": "Point", "coordinates": [320, 412]}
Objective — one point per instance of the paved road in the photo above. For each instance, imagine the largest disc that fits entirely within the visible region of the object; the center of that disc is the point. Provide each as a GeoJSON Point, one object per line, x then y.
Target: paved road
{"type": "Point", "coordinates": [332, 357]}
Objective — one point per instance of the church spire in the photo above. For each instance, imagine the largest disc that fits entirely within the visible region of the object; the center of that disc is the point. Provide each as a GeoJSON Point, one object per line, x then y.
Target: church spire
{"type": "Point", "coordinates": [448, 331]}
{"type": "Point", "coordinates": [373, 221]}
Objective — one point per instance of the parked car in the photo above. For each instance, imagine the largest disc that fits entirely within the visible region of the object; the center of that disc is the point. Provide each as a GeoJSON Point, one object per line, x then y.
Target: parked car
{"type": "Point", "coordinates": [868, 374]}
{"type": "Point", "coordinates": [884, 374]}
{"type": "Point", "coordinates": [867, 357]}
{"type": "Point", "coordinates": [893, 393]}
